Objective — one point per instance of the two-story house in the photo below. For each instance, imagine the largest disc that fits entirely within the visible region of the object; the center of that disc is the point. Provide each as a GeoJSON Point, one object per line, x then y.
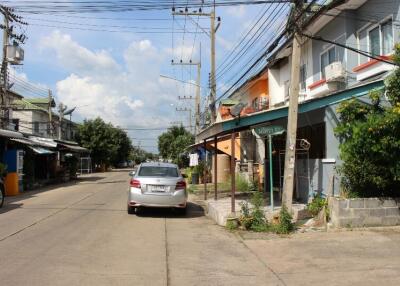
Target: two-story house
{"type": "Point", "coordinates": [345, 53]}
{"type": "Point", "coordinates": [32, 116]}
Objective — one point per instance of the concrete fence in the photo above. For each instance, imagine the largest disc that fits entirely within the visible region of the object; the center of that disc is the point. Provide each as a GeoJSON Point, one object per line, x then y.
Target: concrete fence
{"type": "Point", "coordinates": [362, 212]}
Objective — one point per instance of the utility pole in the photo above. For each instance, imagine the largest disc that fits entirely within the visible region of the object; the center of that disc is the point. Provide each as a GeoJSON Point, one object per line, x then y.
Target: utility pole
{"type": "Point", "coordinates": [190, 115]}
{"type": "Point", "coordinates": [61, 109]}
{"type": "Point", "coordinates": [213, 30]}
{"type": "Point", "coordinates": [50, 114]}
{"type": "Point", "coordinates": [4, 69]}
{"type": "Point", "coordinates": [198, 91]}
{"type": "Point", "coordinates": [290, 151]}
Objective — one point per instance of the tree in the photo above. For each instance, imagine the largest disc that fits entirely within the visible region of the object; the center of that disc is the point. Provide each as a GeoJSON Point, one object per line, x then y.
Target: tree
{"type": "Point", "coordinates": [107, 144]}
{"type": "Point", "coordinates": [370, 141]}
{"type": "Point", "coordinates": [173, 143]}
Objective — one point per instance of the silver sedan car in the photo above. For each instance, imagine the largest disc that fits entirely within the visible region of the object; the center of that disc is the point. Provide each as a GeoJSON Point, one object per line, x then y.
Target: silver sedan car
{"type": "Point", "coordinates": [157, 185]}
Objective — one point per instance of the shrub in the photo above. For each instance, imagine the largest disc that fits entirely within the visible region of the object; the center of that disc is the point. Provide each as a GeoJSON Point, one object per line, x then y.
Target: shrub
{"type": "Point", "coordinates": [285, 225]}
{"type": "Point", "coordinates": [317, 204]}
{"type": "Point", "coordinates": [231, 224]}
{"type": "Point", "coordinates": [253, 218]}
{"type": "Point", "coordinates": [188, 172]}
{"type": "Point", "coordinates": [369, 137]}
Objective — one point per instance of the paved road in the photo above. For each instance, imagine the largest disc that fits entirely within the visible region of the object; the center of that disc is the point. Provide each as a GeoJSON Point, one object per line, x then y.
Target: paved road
{"type": "Point", "coordinates": [81, 234]}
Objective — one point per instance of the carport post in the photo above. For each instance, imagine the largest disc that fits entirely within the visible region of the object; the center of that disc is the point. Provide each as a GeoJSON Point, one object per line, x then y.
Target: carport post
{"type": "Point", "coordinates": [233, 186]}
{"type": "Point", "coordinates": [215, 168]}
{"type": "Point", "coordinates": [205, 171]}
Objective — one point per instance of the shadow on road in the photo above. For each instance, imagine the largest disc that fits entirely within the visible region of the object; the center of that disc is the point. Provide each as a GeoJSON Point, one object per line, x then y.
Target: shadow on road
{"type": "Point", "coordinates": [10, 207]}
{"type": "Point", "coordinates": [193, 211]}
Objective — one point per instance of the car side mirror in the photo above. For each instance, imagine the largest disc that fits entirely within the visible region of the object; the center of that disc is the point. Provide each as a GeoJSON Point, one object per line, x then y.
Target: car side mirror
{"type": "Point", "coordinates": [132, 173]}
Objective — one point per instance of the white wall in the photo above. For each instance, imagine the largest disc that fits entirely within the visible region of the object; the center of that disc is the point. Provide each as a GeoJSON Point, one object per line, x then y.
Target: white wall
{"type": "Point", "coordinates": [24, 117]}
{"type": "Point", "coordinates": [277, 76]}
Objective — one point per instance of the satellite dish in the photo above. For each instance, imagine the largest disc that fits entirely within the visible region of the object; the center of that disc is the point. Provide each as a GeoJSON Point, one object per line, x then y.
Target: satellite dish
{"type": "Point", "coordinates": [69, 111]}
{"type": "Point", "coordinates": [236, 109]}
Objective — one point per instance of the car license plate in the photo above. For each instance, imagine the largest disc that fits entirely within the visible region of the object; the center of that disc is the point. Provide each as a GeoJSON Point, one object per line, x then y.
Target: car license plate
{"type": "Point", "coordinates": [156, 189]}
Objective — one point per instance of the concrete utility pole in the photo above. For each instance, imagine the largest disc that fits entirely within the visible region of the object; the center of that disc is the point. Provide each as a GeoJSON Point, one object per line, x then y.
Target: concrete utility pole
{"type": "Point", "coordinates": [61, 109]}
{"type": "Point", "coordinates": [290, 153]}
{"type": "Point", "coordinates": [198, 90]}
{"type": "Point", "coordinates": [50, 114]}
{"type": "Point", "coordinates": [4, 69]}
{"type": "Point", "coordinates": [213, 30]}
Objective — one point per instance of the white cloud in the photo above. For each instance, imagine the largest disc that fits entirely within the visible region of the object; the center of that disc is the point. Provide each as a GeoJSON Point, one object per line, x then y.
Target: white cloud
{"type": "Point", "coordinates": [75, 57]}
{"type": "Point", "coordinates": [184, 52]}
{"type": "Point", "coordinates": [237, 11]}
{"type": "Point", "coordinates": [127, 94]}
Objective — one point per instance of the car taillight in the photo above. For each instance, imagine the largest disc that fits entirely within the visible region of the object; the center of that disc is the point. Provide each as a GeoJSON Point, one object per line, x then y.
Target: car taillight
{"type": "Point", "coordinates": [181, 185]}
{"type": "Point", "coordinates": [135, 183]}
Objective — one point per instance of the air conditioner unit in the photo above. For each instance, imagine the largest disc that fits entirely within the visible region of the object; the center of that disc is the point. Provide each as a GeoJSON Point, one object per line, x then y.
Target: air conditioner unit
{"type": "Point", "coordinates": [15, 54]}
{"type": "Point", "coordinates": [335, 72]}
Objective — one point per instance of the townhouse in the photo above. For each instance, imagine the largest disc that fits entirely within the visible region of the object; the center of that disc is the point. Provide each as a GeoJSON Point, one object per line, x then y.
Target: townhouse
{"type": "Point", "coordinates": [345, 53]}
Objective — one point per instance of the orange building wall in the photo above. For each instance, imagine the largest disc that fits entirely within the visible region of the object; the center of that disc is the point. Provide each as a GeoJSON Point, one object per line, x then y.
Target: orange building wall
{"type": "Point", "coordinates": [225, 146]}
{"type": "Point", "coordinates": [259, 89]}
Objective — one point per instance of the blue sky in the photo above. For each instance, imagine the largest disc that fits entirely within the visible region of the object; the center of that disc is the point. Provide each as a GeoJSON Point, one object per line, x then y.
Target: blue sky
{"type": "Point", "coordinates": [117, 75]}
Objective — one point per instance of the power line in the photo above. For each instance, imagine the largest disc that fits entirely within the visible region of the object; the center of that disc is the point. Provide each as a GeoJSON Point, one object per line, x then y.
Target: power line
{"type": "Point", "coordinates": [98, 25]}
{"type": "Point", "coordinates": [243, 37]}
{"type": "Point", "coordinates": [254, 38]}
{"type": "Point", "coordinates": [364, 53]}
{"type": "Point", "coordinates": [111, 31]}
{"type": "Point", "coordinates": [121, 6]}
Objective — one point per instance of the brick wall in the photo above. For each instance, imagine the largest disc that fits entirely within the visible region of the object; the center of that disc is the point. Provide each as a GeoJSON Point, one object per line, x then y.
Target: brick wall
{"type": "Point", "coordinates": [362, 212]}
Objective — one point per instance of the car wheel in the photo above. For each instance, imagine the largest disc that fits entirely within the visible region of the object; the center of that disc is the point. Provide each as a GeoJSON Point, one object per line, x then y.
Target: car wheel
{"type": "Point", "coordinates": [131, 210]}
{"type": "Point", "coordinates": [2, 195]}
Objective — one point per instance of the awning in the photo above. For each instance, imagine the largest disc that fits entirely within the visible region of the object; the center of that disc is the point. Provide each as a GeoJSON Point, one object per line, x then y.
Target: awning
{"type": "Point", "coordinates": [23, 141]}
{"type": "Point", "coordinates": [10, 134]}
{"type": "Point", "coordinates": [74, 148]}
{"type": "Point", "coordinates": [248, 122]}
{"type": "Point", "coordinates": [41, 151]}
{"type": "Point", "coordinates": [44, 142]}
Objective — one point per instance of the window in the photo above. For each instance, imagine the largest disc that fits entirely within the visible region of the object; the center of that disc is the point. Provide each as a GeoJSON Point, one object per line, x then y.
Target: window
{"type": "Point", "coordinates": [148, 171]}
{"type": "Point", "coordinates": [380, 39]}
{"type": "Point", "coordinates": [15, 123]}
{"type": "Point", "coordinates": [374, 42]}
{"type": "Point", "coordinates": [303, 77]}
{"type": "Point", "coordinates": [387, 38]}
{"type": "Point", "coordinates": [36, 127]}
{"type": "Point", "coordinates": [326, 59]}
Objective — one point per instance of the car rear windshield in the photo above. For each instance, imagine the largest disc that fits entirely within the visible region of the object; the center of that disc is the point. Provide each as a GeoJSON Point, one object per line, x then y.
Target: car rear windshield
{"type": "Point", "coordinates": [158, 172]}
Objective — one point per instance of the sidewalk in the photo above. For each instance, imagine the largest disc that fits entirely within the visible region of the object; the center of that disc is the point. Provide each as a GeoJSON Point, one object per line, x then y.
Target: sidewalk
{"type": "Point", "coordinates": [362, 257]}
{"type": "Point", "coordinates": [220, 210]}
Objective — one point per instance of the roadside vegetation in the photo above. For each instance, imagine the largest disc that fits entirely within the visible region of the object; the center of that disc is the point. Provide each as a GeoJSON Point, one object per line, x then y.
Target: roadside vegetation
{"type": "Point", "coordinates": [317, 205]}
{"type": "Point", "coordinates": [108, 144]}
{"type": "Point", "coordinates": [369, 132]}
{"type": "Point", "coordinates": [252, 218]}
{"type": "Point", "coordinates": [173, 143]}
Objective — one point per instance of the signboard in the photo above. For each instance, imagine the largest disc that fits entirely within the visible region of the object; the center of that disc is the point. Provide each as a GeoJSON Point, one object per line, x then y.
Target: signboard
{"type": "Point", "coordinates": [264, 131]}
